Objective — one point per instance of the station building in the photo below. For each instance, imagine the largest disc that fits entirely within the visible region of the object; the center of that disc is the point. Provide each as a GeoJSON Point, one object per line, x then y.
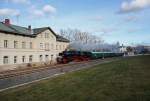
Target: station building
{"type": "Point", "coordinates": [20, 46]}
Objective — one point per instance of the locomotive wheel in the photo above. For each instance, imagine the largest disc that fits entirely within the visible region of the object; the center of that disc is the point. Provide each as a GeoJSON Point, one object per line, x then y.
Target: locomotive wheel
{"type": "Point", "coordinates": [64, 61]}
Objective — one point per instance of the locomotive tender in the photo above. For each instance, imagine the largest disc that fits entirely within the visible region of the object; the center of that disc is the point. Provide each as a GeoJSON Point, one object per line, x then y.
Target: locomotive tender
{"type": "Point", "coordinates": [77, 56]}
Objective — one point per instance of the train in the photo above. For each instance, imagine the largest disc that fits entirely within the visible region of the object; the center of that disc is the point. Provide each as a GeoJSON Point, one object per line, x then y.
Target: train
{"type": "Point", "coordinates": [78, 56]}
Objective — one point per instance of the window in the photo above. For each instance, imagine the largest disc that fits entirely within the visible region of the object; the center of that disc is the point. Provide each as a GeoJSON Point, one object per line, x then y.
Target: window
{"type": "Point", "coordinates": [15, 44]}
{"type": "Point", "coordinates": [41, 35]}
{"type": "Point", "coordinates": [52, 46]}
{"type": "Point", "coordinates": [5, 60]}
{"type": "Point", "coordinates": [52, 36]}
{"type": "Point", "coordinates": [30, 58]}
{"type": "Point", "coordinates": [15, 59]}
{"type": "Point", "coordinates": [46, 35]}
{"type": "Point", "coordinates": [23, 59]}
{"type": "Point", "coordinates": [31, 45]}
{"type": "Point", "coordinates": [52, 57]}
{"type": "Point", "coordinates": [41, 58]}
{"type": "Point", "coordinates": [60, 47]}
{"type": "Point", "coordinates": [46, 58]}
{"type": "Point", "coordinates": [46, 46]}
{"type": "Point", "coordinates": [56, 47]}
{"type": "Point", "coordinates": [23, 45]}
{"type": "Point", "coordinates": [5, 43]}
{"type": "Point", "coordinates": [41, 46]}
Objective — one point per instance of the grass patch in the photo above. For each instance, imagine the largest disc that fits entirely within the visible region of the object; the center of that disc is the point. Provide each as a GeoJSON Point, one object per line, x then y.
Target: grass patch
{"type": "Point", "coordinates": [125, 80]}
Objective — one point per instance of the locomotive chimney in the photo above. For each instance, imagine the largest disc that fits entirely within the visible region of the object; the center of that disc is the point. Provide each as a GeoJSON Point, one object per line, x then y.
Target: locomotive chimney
{"type": "Point", "coordinates": [29, 27]}
{"type": "Point", "coordinates": [7, 22]}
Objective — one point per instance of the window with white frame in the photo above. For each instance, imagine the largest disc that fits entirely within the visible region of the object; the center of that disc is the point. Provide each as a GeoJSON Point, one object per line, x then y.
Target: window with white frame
{"type": "Point", "coordinates": [15, 44]}
{"type": "Point", "coordinates": [52, 46]}
{"type": "Point", "coordinates": [41, 46]}
{"type": "Point", "coordinates": [41, 58]}
{"type": "Point", "coordinates": [30, 58]}
{"type": "Point", "coordinates": [46, 35]}
{"type": "Point", "coordinates": [5, 60]}
{"type": "Point", "coordinates": [31, 45]}
{"type": "Point", "coordinates": [47, 46]}
{"type": "Point", "coordinates": [15, 59]}
{"type": "Point", "coordinates": [60, 47]}
{"type": "Point", "coordinates": [23, 45]}
{"type": "Point", "coordinates": [46, 58]}
{"type": "Point", "coordinates": [5, 43]}
{"type": "Point", "coordinates": [23, 59]}
{"type": "Point", "coordinates": [52, 36]}
{"type": "Point", "coordinates": [52, 57]}
{"type": "Point", "coordinates": [56, 47]}
{"type": "Point", "coordinates": [41, 35]}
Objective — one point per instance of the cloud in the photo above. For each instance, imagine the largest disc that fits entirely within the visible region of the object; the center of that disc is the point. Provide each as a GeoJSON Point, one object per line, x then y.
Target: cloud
{"type": "Point", "coordinates": [9, 12]}
{"type": "Point", "coordinates": [134, 5]}
{"type": "Point", "coordinates": [18, 1]}
{"type": "Point", "coordinates": [49, 9]}
{"type": "Point", "coordinates": [132, 30]}
{"type": "Point", "coordinates": [46, 10]}
{"type": "Point", "coordinates": [97, 18]}
{"type": "Point", "coordinates": [131, 19]}
{"type": "Point", "coordinates": [108, 30]}
{"type": "Point", "coordinates": [38, 13]}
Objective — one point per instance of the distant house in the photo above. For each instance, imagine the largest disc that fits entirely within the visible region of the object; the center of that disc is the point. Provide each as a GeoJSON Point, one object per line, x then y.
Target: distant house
{"type": "Point", "coordinates": [20, 45]}
{"type": "Point", "coordinates": [147, 47]}
{"type": "Point", "coordinates": [123, 49]}
{"type": "Point", "coordinates": [141, 49]}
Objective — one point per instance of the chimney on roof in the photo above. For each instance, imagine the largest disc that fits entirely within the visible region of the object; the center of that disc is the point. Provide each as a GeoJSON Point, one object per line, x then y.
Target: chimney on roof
{"type": "Point", "coordinates": [30, 29]}
{"type": "Point", "coordinates": [7, 22]}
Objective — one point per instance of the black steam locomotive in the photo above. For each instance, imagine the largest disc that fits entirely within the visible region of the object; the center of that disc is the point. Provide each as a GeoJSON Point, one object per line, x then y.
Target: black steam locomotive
{"type": "Point", "coordinates": [77, 56]}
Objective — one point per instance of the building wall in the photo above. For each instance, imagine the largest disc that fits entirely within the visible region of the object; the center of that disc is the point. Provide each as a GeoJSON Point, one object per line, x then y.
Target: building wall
{"type": "Point", "coordinates": [41, 45]}
{"type": "Point", "coordinates": [123, 49]}
{"type": "Point", "coordinates": [61, 46]}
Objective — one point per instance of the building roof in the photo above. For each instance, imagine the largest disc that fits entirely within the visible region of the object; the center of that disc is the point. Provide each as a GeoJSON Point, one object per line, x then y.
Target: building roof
{"type": "Point", "coordinates": [61, 39]}
{"type": "Point", "coordinates": [39, 30]}
{"type": "Point", "coordinates": [23, 31]}
{"type": "Point", "coordinates": [17, 30]}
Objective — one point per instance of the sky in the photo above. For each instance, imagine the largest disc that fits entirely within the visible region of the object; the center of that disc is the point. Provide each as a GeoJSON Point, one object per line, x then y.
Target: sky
{"type": "Point", "coordinates": [126, 21]}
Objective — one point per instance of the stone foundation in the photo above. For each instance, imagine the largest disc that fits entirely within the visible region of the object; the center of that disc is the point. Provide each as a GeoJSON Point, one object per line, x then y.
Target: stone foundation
{"type": "Point", "coordinates": [25, 65]}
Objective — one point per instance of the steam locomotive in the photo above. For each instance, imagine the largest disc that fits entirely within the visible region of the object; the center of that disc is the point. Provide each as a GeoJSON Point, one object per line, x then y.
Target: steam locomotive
{"type": "Point", "coordinates": [77, 56]}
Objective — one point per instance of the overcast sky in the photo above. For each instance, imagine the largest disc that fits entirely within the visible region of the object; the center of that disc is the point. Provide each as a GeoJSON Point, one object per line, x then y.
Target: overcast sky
{"type": "Point", "coordinates": [126, 21]}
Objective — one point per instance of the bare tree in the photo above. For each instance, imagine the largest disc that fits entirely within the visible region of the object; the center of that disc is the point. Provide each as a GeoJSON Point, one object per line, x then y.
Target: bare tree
{"type": "Point", "coordinates": [82, 40]}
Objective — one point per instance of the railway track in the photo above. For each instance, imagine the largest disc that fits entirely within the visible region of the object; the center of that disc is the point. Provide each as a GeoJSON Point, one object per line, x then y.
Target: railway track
{"type": "Point", "coordinates": [12, 73]}
{"type": "Point", "coordinates": [17, 78]}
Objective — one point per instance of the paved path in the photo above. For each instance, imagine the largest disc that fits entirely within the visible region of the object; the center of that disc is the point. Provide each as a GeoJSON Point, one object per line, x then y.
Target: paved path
{"type": "Point", "coordinates": [20, 80]}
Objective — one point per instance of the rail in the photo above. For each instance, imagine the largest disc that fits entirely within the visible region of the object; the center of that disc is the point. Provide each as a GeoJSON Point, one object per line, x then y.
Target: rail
{"type": "Point", "coordinates": [17, 72]}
